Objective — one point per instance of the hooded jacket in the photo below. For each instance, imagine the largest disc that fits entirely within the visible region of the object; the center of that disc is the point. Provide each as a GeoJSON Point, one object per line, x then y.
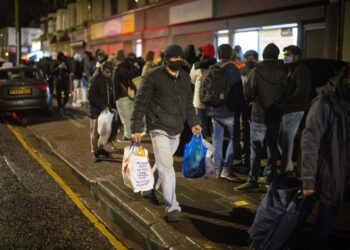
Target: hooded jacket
{"type": "Point", "coordinates": [265, 88]}
{"type": "Point", "coordinates": [166, 101]}
{"type": "Point", "coordinates": [325, 146]}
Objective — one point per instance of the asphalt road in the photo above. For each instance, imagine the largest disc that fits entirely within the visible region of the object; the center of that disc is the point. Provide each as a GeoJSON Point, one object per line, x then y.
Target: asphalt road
{"type": "Point", "coordinates": [34, 212]}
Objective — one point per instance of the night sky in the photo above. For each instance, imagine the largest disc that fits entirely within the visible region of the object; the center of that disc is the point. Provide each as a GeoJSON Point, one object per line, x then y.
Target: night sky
{"type": "Point", "coordinates": [29, 13]}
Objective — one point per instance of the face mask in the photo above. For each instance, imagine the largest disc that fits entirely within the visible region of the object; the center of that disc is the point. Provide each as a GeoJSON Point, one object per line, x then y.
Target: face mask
{"type": "Point", "coordinates": [250, 64]}
{"type": "Point", "coordinates": [175, 65]}
{"type": "Point", "coordinates": [288, 60]}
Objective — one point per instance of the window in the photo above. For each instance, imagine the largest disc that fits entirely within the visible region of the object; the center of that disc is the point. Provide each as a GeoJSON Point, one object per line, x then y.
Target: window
{"type": "Point", "coordinates": [222, 37]}
{"type": "Point", "coordinates": [257, 38]}
{"type": "Point", "coordinates": [138, 47]}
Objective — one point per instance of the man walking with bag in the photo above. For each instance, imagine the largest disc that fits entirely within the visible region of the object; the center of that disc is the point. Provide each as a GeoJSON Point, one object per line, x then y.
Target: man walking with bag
{"type": "Point", "coordinates": [100, 97]}
{"type": "Point", "coordinates": [165, 98]}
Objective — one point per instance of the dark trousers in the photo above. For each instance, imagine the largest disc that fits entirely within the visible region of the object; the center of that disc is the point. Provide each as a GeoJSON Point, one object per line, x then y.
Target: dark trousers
{"type": "Point", "coordinates": [62, 87]}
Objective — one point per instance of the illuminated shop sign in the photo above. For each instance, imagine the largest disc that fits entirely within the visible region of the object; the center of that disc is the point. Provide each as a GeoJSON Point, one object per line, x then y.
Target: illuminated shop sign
{"type": "Point", "coordinates": [116, 26]}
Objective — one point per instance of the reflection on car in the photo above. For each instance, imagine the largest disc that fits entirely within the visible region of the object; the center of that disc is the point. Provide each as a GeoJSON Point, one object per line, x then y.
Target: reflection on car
{"type": "Point", "coordinates": [24, 88]}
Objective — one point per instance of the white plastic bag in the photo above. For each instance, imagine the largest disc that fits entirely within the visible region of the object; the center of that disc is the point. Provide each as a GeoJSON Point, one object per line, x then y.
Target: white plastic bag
{"type": "Point", "coordinates": [209, 162]}
{"type": "Point", "coordinates": [104, 126]}
{"type": "Point", "coordinates": [136, 170]}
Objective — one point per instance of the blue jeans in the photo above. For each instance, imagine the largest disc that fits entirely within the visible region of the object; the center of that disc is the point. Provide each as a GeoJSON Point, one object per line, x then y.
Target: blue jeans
{"type": "Point", "coordinates": [289, 127]}
{"type": "Point", "coordinates": [219, 125]}
{"type": "Point", "coordinates": [164, 147]}
{"type": "Point", "coordinates": [258, 133]}
{"type": "Point", "coordinates": [202, 114]}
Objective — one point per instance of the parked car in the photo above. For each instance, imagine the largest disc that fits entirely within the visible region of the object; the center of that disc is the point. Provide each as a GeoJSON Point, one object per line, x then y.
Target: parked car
{"type": "Point", "coordinates": [24, 88]}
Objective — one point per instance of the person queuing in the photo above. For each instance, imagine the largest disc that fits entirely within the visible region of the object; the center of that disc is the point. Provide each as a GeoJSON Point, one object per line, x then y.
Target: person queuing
{"type": "Point", "coordinates": [325, 161]}
{"type": "Point", "coordinates": [165, 98]}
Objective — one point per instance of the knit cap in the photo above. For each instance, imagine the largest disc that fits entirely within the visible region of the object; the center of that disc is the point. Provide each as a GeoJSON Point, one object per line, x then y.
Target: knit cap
{"type": "Point", "coordinates": [208, 50]}
{"type": "Point", "coordinates": [173, 50]}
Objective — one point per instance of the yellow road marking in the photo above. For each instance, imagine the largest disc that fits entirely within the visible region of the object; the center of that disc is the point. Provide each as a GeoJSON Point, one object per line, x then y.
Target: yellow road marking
{"type": "Point", "coordinates": [92, 218]}
{"type": "Point", "coordinates": [240, 203]}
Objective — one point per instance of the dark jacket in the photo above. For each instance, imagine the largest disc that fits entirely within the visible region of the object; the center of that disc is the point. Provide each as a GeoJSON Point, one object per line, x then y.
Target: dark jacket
{"type": "Point", "coordinates": [324, 149]}
{"type": "Point", "coordinates": [61, 73]}
{"type": "Point", "coordinates": [296, 97]}
{"type": "Point", "coordinates": [166, 101]}
{"type": "Point", "coordinates": [228, 109]}
{"type": "Point", "coordinates": [266, 88]}
{"type": "Point", "coordinates": [122, 76]}
{"type": "Point", "coordinates": [100, 95]}
{"type": "Point", "coordinates": [77, 70]}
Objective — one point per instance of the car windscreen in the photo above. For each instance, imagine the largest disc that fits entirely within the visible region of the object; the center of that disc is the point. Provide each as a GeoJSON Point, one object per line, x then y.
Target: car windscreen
{"type": "Point", "coordinates": [19, 74]}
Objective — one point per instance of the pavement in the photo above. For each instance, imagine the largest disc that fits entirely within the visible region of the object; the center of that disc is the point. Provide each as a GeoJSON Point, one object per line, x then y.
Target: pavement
{"type": "Point", "coordinates": [214, 216]}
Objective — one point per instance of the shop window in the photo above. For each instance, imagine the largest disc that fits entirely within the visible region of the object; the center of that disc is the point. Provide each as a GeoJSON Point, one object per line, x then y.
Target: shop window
{"type": "Point", "coordinates": [138, 47]}
{"type": "Point", "coordinates": [132, 4]}
{"type": "Point", "coordinates": [222, 37]}
{"type": "Point", "coordinates": [257, 38]}
{"type": "Point", "coordinates": [114, 7]}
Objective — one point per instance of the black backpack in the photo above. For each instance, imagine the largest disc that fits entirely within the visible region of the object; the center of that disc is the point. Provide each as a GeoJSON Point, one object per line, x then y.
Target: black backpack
{"type": "Point", "coordinates": [215, 86]}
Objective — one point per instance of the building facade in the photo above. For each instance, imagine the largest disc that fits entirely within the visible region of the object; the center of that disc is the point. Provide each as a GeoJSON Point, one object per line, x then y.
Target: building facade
{"type": "Point", "coordinates": [321, 28]}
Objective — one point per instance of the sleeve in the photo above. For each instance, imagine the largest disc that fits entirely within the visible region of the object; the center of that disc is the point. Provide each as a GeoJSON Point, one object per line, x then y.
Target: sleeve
{"type": "Point", "coordinates": [191, 117]}
{"type": "Point", "coordinates": [193, 75]}
{"type": "Point", "coordinates": [315, 127]}
{"type": "Point", "coordinates": [141, 104]}
{"type": "Point", "coordinates": [251, 86]}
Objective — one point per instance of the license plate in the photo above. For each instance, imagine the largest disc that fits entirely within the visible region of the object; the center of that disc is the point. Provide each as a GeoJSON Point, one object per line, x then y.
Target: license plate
{"type": "Point", "coordinates": [20, 91]}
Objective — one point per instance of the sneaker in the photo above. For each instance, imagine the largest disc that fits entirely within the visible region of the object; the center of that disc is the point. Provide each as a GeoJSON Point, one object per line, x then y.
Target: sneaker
{"type": "Point", "coordinates": [173, 216]}
{"type": "Point", "coordinates": [103, 153]}
{"type": "Point", "coordinates": [151, 196]}
{"type": "Point", "coordinates": [217, 173]}
{"type": "Point", "coordinates": [226, 175]}
{"type": "Point", "coordinates": [246, 186]}
{"type": "Point", "coordinates": [95, 158]}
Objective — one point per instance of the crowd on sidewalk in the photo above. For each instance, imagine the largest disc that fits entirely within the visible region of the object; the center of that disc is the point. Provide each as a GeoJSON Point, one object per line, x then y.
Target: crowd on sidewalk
{"type": "Point", "coordinates": [262, 110]}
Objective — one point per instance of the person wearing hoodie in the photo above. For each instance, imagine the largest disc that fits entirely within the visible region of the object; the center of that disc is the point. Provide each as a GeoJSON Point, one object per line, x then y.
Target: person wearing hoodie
{"type": "Point", "coordinates": [265, 89]}
{"type": "Point", "coordinates": [198, 70]}
{"type": "Point", "coordinates": [325, 158]}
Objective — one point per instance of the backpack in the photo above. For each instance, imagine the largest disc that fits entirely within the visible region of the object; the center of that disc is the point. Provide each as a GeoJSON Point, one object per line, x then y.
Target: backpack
{"type": "Point", "coordinates": [215, 86]}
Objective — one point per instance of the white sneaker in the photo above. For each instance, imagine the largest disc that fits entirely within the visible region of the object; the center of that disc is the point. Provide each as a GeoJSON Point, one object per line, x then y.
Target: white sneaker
{"type": "Point", "coordinates": [225, 175]}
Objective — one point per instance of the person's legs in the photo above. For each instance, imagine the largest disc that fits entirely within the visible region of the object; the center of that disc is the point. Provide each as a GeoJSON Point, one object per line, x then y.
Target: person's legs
{"type": "Point", "coordinates": [272, 143]}
{"type": "Point", "coordinates": [125, 107]}
{"type": "Point", "coordinates": [164, 147]}
{"type": "Point", "coordinates": [94, 137]}
{"type": "Point", "coordinates": [289, 127]}
{"type": "Point", "coordinates": [229, 156]}
{"type": "Point", "coordinates": [59, 93]}
{"type": "Point", "coordinates": [218, 138]}
{"type": "Point", "coordinates": [245, 135]}
{"type": "Point", "coordinates": [202, 114]}
{"type": "Point", "coordinates": [325, 221]}
{"type": "Point", "coordinates": [258, 134]}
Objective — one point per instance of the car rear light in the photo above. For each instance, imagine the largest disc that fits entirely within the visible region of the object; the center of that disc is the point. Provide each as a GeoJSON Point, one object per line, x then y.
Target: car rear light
{"type": "Point", "coordinates": [42, 87]}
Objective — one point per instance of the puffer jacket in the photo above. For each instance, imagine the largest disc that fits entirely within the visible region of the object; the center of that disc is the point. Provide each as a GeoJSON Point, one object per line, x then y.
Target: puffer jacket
{"type": "Point", "coordinates": [166, 101]}
{"type": "Point", "coordinates": [266, 88]}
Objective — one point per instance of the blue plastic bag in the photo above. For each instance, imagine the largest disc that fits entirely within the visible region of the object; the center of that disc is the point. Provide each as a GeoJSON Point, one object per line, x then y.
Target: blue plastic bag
{"type": "Point", "coordinates": [193, 165]}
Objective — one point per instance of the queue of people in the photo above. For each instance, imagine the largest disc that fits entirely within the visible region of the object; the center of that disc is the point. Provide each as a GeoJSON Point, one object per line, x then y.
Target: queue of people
{"type": "Point", "coordinates": [265, 105]}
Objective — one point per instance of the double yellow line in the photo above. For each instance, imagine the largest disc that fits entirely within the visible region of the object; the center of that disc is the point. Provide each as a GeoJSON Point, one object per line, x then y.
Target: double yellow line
{"type": "Point", "coordinates": [92, 218]}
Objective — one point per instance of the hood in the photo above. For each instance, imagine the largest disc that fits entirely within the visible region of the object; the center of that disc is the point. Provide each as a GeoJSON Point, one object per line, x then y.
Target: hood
{"type": "Point", "coordinates": [205, 63]}
{"type": "Point", "coordinates": [271, 71]}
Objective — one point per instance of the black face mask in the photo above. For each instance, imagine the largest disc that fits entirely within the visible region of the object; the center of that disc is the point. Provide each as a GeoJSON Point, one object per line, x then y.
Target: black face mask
{"type": "Point", "coordinates": [176, 65]}
{"type": "Point", "coordinates": [250, 64]}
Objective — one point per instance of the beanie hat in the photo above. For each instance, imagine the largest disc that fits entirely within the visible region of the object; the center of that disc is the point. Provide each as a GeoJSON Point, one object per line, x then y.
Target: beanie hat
{"type": "Point", "coordinates": [208, 50]}
{"type": "Point", "coordinates": [271, 51]}
{"type": "Point", "coordinates": [120, 55]}
{"type": "Point", "coordinates": [107, 65]}
{"type": "Point", "coordinates": [173, 50]}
